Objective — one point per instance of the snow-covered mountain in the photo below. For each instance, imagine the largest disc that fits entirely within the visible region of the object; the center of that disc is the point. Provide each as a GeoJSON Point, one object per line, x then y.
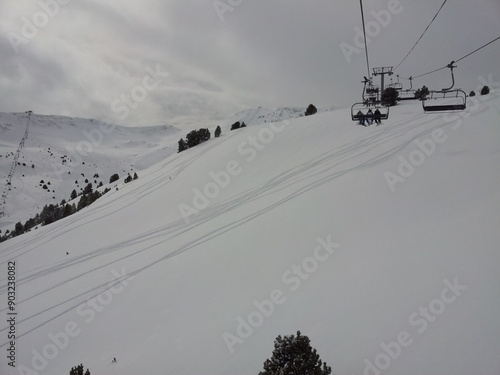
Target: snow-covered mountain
{"type": "Point", "coordinates": [64, 153]}
{"type": "Point", "coordinates": [380, 244]}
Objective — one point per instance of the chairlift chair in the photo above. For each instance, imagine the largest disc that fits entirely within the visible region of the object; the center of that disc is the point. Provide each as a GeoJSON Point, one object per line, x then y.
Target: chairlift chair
{"type": "Point", "coordinates": [372, 95]}
{"type": "Point", "coordinates": [448, 99]}
{"type": "Point", "coordinates": [360, 111]}
{"type": "Point", "coordinates": [407, 94]}
{"type": "Point", "coordinates": [371, 92]}
{"type": "Point", "coordinates": [371, 100]}
{"type": "Point", "coordinates": [398, 86]}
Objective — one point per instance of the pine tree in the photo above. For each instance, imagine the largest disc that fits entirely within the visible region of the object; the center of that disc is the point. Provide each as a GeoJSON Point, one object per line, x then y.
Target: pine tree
{"type": "Point", "coordinates": [182, 145]}
{"type": "Point", "coordinates": [67, 210]}
{"type": "Point", "coordinates": [135, 176]}
{"type": "Point", "coordinates": [204, 135]}
{"type": "Point", "coordinates": [93, 197]}
{"type": "Point", "coordinates": [19, 228]}
{"type": "Point", "coordinates": [390, 96]}
{"type": "Point", "coordinates": [311, 110]}
{"type": "Point", "coordinates": [88, 189]}
{"type": "Point", "coordinates": [294, 356]}
{"type": "Point", "coordinates": [78, 370]}
{"type": "Point", "coordinates": [47, 215]}
{"type": "Point", "coordinates": [114, 178]}
{"type": "Point", "coordinates": [193, 138]}
{"type": "Point", "coordinates": [485, 90]}
{"type": "Point", "coordinates": [421, 93]}
{"type": "Point", "coordinates": [82, 203]}
{"type": "Point", "coordinates": [218, 132]}
{"type": "Point", "coordinates": [30, 223]}
{"type": "Point", "coordinates": [58, 213]}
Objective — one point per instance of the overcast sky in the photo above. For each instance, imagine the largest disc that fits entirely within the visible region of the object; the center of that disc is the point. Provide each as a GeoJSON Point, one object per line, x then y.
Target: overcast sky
{"type": "Point", "coordinates": [194, 63]}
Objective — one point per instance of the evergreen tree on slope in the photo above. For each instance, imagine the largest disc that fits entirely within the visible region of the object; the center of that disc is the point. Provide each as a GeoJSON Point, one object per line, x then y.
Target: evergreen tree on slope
{"type": "Point", "coordinates": [294, 356]}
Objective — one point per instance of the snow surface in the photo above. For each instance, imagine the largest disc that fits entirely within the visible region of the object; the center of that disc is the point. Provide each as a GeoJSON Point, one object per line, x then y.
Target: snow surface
{"type": "Point", "coordinates": [67, 151]}
{"type": "Point", "coordinates": [257, 116]}
{"type": "Point", "coordinates": [412, 268]}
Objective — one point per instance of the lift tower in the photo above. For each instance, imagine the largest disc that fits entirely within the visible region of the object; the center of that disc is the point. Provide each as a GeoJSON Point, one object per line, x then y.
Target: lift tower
{"type": "Point", "coordinates": [382, 71]}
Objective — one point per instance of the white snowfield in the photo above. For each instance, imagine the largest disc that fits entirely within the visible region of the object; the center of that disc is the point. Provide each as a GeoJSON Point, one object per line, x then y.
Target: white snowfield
{"type": "Point", "coordinates": [381, 244]}
{"type": "Point", "coordinates": [63, 152]}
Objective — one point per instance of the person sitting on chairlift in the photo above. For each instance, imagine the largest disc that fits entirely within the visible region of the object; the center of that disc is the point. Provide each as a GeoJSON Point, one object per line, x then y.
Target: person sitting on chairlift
{"type": "Point", "coordinates": [377, 116]}
{"type": "Point", "coordinates": [361, 118]}
{"type": "Point", "coordinates": [369, 117]}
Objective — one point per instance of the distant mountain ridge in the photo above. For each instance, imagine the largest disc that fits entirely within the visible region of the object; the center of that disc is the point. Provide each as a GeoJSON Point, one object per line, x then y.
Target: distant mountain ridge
{"type": "Point", "coordinates": [257, 116]}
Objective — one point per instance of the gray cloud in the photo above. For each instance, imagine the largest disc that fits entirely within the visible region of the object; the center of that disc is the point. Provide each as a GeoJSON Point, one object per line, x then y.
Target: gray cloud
{"type": "Point", "coordinates": [263, 53]}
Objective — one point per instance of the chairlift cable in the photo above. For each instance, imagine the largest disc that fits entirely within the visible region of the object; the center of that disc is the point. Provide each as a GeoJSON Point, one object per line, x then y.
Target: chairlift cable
{"type": "Point", "coordinates": [494, 40]}
{"type": "Point", "coordinates": [463, 57]}
{"type": "Point", "coordinates": [421, 36]}
{"type": "Point", "coordinates": [364, 34]}
{"type": "Point", "coordinates": [434, 71]}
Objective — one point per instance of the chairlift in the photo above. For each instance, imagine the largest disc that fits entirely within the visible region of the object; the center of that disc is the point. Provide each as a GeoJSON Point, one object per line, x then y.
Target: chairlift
{"type": "Point", "coordinates": [408, 94]}
{"type": "Point", "coordinates": [448, 99]}
{"type": "Point", "coordinates": [371, 102]}
{"type": "Point", "coordinates": [360, 111]}
{"type": "Point", "coordinates": [371, 92]}
{"type": "Point", "coordinates": [396, 86]}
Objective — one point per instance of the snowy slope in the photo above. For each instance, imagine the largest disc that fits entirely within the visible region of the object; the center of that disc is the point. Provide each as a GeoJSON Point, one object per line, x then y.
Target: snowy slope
{"type": "Point", "coordinates": [258, 116]}
{"type": "Point", "coordinates": [379, 243]}
{"type": "Point", "coordinates": [63, 152]}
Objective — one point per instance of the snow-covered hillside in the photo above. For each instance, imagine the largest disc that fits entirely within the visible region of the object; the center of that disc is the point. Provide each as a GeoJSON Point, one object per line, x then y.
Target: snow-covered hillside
{"type": "Point", "coordinates": [380, 244]}
{"type": "Point", "coordinates": [63, 152]}
{"type": "Point", "coordinates": [257, 116]}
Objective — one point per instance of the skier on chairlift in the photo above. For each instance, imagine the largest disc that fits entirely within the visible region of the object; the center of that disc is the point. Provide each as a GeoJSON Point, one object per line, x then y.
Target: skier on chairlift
{"type": "Point", "coordinates": [361, 117]}
{"type": "Point", "coordinates": [369, 117]}
{"type": "Point", "coordinates": [377, 116]}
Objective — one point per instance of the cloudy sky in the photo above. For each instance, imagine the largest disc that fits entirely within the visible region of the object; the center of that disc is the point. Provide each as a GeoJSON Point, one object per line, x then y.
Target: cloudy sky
{"type": "Point", "coordinates": [194, 63]}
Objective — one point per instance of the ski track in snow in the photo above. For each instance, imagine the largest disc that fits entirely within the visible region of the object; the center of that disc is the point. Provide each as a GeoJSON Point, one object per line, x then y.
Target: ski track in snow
{"type": "Point", "coordinates": [366, 149]}
{"type": "Point", "coordinates": [363, 152]}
